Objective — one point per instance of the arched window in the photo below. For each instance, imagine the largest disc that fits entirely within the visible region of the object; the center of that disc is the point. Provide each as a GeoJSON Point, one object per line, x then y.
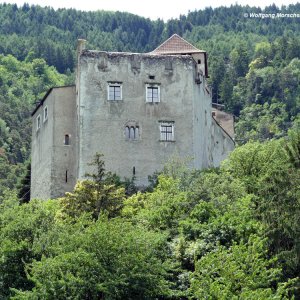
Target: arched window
{"type": "Point", "coordinates": [132, 131]}
{"type": "Point", "coordinates": [67, 139]}
{"type": "Point", "coordinates": [136, 133]}
{"type": "Point", "coordinates": [131, 135]}
{"type": "Point", "coordinates": [127, 132]}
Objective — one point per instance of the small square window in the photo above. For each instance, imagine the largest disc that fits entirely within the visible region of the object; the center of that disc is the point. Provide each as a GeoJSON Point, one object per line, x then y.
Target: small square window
{"type": "Point", "coordinates": [45, 113]}
{"type": "Point", "coordinates": [38, 122]}
{"type": "Point", "coordinates": [152, 93]}
{"type": "Point", "coordinates": [167, 131]}
{"type": "Point", "coordinates": [114, 91]}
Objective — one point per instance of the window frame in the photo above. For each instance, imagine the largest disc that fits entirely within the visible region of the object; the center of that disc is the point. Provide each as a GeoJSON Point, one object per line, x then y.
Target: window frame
{"type": "Point", "coordinates": [165, 135]}
{"type": "Point", "coordinates": [38, 122]}
{"type": "Point", "coordinates": [114, 85]}
{"type": "Point", "coordinates": [45, 115]}
{"type": "Point", "coordinates": [132, 130]}
{"type": "Point", "coordinates": [152, 86]}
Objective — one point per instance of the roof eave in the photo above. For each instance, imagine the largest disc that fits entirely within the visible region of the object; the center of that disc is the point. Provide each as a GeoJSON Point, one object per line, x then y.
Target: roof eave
{"type": "Point", "coordinates": [46, 95]}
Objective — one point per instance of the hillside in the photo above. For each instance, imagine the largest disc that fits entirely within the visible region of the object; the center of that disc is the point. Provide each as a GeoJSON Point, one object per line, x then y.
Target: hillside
{"type": "Point", "coordinates": [224, 233]}
{"type": "Point", "coordinates": [253, 63]}
{"type": "Point", "coordinates": [228, 233]}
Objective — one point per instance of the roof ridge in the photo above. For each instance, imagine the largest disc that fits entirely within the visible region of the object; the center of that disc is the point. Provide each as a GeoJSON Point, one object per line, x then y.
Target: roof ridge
{"type": "Point", "coordinates": [172, 36]}
{"type": "Point", "coordinates": [181, 38]}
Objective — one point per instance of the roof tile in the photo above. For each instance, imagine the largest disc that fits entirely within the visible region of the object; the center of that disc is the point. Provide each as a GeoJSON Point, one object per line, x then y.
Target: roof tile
{"type": "Point", "coordinates": [176, 45]}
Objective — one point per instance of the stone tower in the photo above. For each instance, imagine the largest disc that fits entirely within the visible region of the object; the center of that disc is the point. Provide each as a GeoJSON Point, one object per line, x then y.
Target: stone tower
{"type": "Point", "coordinates": [137, 109]}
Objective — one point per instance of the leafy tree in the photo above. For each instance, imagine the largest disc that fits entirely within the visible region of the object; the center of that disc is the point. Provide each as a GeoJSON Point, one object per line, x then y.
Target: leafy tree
{"type": "Point", "coordinates": [269, 172]}
{"type": "Point", "coordinates": [24, 189]}
{"type": "Point", "coordinates": [22, 85]}
{"type": "Point", "coordinates": [262, 122]}
{"type": "Point", "coordinates": [241, 272]}
{"type": "Point", "coordinates": [98, 195]}
{"type": "Point", "coordinates": [106, 259]}
{"type": "Point", "coordinates": [163, 208]}
{"type": "Point", "coordinates": [20, 227]}
{"type": "Point", "coordinates": [240, 59]}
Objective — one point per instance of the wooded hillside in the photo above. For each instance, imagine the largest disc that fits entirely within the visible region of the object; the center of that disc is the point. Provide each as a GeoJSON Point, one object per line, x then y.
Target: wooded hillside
{"type": "Point", "coordinates": [225, 233]}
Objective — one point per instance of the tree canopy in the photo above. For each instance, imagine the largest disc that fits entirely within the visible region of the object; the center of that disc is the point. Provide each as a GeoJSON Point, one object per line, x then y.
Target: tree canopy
{"type": "Point", "coordinates": [226, 233]}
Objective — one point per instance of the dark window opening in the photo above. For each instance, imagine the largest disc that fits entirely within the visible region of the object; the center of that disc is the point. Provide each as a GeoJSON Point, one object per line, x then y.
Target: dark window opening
{"type": "Point", "coordinates": [133, 170]}
{"type": "Point", "coordinates": [66, 176]}
{"type": "Point", "coordinates": [199, 61]}
{"type": "Point", "coordinates": [67, 139]}
{"type": "Point", "coordinates": [151, 77]}
{"type": "Point", "coordinates": [38, 122]}
{"type": "Point", "coordinates": [45, 113]}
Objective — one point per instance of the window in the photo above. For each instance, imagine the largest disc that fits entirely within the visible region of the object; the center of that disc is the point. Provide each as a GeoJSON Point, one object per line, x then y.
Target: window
{"type": "Point", "coordinates": [67, 139]}
{"type": "Point", "coordinates": [38, 122]}
{"type": "Point", "coordinates": [152, 93]}
{"type": "Point", "coordinates": [167, 131]}
{"type": "Point", "coordinates": [132, 132]}
{"type": "Point", "coordinates": [114, 91]}
{"type": "Point", "coordinates": [45, 113]}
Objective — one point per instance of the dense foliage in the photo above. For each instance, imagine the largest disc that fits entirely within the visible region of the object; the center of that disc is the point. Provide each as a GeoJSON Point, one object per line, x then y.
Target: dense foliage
{"type": "Point", "coordinates": [253, 64]}
{"type": "Point", "coordinates": [22, 83]}
{"type": "Point", "coordinates": [52, 34]}
{"type": "Point", "coordinates": [227, 233]}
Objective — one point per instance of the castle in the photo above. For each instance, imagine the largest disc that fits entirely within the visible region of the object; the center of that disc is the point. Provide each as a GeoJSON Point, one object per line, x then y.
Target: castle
{"type": "Point", "coordinates": [137, 109]}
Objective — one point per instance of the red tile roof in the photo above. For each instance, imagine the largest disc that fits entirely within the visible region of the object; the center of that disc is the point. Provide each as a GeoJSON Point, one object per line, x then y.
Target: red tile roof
{"type": "Point", "coordinates": [176, 45]}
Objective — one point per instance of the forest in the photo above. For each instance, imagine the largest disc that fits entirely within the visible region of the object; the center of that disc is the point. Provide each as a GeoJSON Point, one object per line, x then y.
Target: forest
{"type": "Point", "coordinates": [224, 233]}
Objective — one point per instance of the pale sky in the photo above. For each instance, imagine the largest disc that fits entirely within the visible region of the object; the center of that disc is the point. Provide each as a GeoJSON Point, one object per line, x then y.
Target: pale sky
{"type": "Point", "coordinates": [152, 9]}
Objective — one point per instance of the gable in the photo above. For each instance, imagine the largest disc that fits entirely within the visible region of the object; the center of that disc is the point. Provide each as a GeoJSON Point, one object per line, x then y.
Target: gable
{"type": "Point", "coordinates": [176, 45]}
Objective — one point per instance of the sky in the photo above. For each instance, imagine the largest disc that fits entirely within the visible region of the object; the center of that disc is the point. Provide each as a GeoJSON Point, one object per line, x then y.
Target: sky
{"type": "Point", "coordinates": [153, 9]}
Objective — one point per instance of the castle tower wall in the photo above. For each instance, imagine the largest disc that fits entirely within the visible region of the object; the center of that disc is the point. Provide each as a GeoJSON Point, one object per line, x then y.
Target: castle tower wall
{"type": "Point", "coordinates": [53, 160]}
{"type": "Point", "coordinates": [104, 121]}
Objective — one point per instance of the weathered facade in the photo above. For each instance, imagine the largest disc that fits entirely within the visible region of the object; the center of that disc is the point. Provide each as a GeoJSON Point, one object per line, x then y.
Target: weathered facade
{"type": "Point", "coordinates": [53, 158]}
{"type": "Point", "coordinates": [139, 110]}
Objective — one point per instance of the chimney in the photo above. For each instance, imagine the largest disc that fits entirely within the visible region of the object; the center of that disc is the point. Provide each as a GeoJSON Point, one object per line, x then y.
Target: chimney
{"type": "Point", "coordinates": [80, 46]}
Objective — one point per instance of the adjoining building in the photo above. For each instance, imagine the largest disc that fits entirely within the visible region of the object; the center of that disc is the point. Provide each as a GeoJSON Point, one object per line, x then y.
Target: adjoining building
{"type": "Point", "coordinates": [137, 109]}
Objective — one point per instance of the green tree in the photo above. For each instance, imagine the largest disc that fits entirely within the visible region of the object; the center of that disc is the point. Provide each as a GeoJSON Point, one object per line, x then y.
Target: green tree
{"type": "Point", "coordinates": [241, 272]}
{"type": "Point", "coordinates": [240, 59]}
{"type": "Point", "coordinates": [262, 122]}
{"type": "Point", "coordinates": [109, 259]}
{"type": "Point", "coordinates": [98, 195]}
{"type": "Point", "coordinates": [270, 172]}
{"type": "Point", "coordinates": [20, 226]}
